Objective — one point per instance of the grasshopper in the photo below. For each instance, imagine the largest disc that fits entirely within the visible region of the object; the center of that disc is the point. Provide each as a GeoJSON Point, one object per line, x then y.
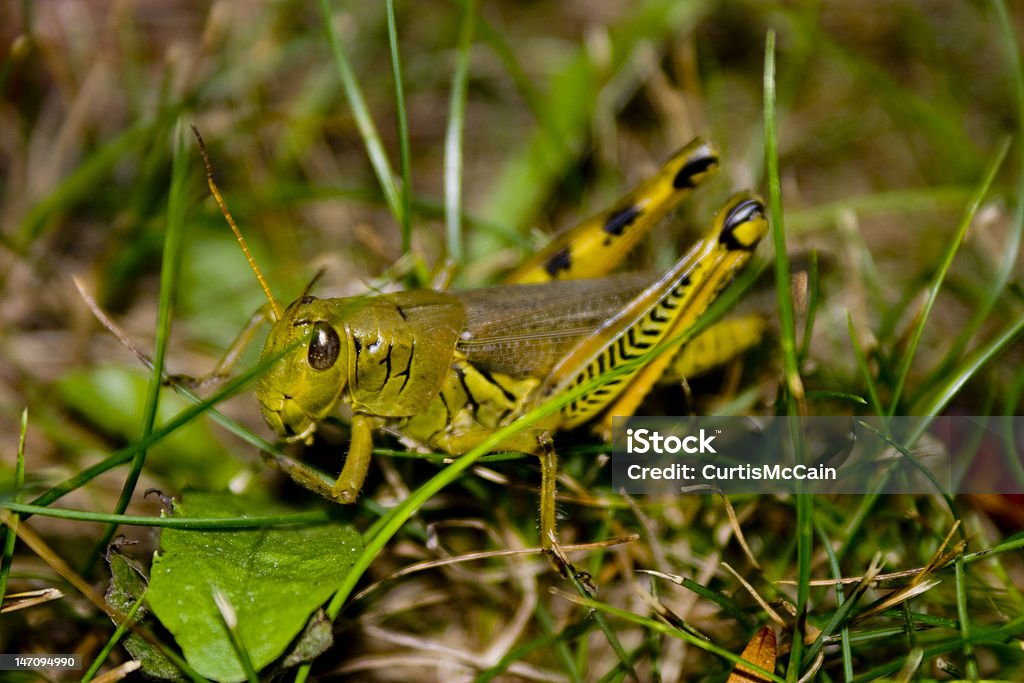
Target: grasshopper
{"type": "Point", "coordinates": [443, 369]}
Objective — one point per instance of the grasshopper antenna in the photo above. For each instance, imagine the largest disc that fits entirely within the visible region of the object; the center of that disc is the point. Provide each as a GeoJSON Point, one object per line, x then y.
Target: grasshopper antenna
{"type": "Point", "coordinates": [234, 227]}
{"type": "Point", "coordinates": [312, 283]}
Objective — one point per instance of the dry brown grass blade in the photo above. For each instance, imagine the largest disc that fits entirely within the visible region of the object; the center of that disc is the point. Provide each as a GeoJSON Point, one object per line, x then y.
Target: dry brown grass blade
{"type": "Point", "coordinates": [940, 559]}
{"type": "Point", "coordinates": [668, 616]}
{"type": "Point", "coordinates": [491, 554]}
{"type": "Point", "coordinates": [118, 673]}
{"type": "Point", "coordinates": [37, 545]}
{"type": "Point", "coordinates": [896, 597]}
{"type": "Point", "coordinates": [110, 325]}
{"type": "Point", "coordinates": [734, 521]}
{"type": "Point", "coordinates": [17, 601]}
{"type": "Point", "coordinates": [775, 616]}
{"type": "Point", "coordinates": [674, 578]}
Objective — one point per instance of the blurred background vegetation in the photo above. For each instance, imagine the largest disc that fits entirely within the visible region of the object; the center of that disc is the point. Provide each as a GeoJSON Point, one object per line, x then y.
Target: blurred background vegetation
{"type": "Point", "coordinates": [889, 114]}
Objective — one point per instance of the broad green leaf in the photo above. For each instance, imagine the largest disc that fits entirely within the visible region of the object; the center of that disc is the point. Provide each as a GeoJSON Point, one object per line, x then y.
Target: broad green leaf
{"type": "Point", "coordinates": [127, 583]}
{"type": "Point", "coordinates": [273, 578]}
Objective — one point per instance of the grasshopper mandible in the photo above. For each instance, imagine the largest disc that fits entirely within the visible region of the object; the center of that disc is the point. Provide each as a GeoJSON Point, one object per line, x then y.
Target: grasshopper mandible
{"type": "Point", "coordinates": [444, 369]}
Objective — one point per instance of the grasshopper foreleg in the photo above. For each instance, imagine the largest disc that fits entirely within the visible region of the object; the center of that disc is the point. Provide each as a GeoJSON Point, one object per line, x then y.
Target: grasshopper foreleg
{"type": "Point", "coordinates": [301, 474]}
{"type": "Point", "coordinates": [230, 359]}
{"type": "Point", "coordinates": [234, 352]}
{"type": "Point", "coordinates": [345, 489]}
{"type": "Point", "coordinates": [353, 474]}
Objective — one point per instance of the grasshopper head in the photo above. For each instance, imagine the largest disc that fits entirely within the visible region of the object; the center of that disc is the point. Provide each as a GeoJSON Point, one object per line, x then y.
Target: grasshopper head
{"type": "Point", "coordinates": [302, 387]}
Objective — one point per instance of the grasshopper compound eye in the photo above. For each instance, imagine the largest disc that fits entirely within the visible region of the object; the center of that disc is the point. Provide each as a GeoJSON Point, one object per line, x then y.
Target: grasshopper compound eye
{"type": "Point", "coordinates": [324, 347]}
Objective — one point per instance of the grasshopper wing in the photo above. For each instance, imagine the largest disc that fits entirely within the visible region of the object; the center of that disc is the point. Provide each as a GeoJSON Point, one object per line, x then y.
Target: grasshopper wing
{"type": "Point", "coordinates": [523, 330]}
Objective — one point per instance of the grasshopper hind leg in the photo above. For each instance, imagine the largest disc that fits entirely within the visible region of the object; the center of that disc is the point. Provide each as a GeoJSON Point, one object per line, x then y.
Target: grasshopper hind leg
{"type": "Point", "coordinates": [598, 244]}
{"type": "Point", "coordinates": [548, 501]}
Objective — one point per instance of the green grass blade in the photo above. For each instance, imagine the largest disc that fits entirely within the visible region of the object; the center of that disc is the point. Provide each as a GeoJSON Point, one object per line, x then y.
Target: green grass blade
{"type": "Point", "coordinates": [222, 523]}
{"type": "Point", "coordinates": [1011, 546]}
{"type": "Point", "coordinates": [613, 641]}
{"type": "Point", "coordinates": [824, 394]}
{"type": "Point", "coordinates": [361, 113]}
{"type": "Point", "coordinates": [125, 454]}
{"type": "Point", "coordinates": [9, 530]}
{"type": "Point", "coordinates": [85, 178]}
{"type": "Point", "coordinates": [170, 272]}
{"type": "Point", "coordinates": [794, 385]}
{"type": "Point", "coordinates": [865, 369]}
{"type": "Point", "coordinates": [837, 573]}
{"type": "Point", "coordinates": [947, 260]}
{"type": "Point", "coordinates": [936, 401]}
{"type": "Point", "coordinates": [453, 139]}
{"type": "Point", "coordinates": [114, 639]}
{"type": "Point", "coordinates": [964, 616]}
{"type": "Point", "coordinates": [404, 163]}
{"type": "Point", "coordinates": [1006, 267]}
{"type": "Point", "coordinates": [787, 316]}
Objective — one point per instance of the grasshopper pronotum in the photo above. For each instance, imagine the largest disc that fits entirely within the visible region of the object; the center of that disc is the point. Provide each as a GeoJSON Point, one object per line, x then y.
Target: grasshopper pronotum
{"type": "Point", "coordinates": [443, 370]}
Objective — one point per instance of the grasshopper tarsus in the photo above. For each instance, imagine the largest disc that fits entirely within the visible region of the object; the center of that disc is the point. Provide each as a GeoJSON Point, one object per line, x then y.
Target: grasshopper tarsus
{"type": "Point", "coordinates": [345, 496]}
{"type": "Point", "coordinates": [566, 569]}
